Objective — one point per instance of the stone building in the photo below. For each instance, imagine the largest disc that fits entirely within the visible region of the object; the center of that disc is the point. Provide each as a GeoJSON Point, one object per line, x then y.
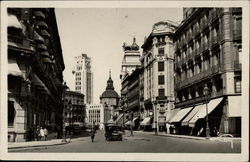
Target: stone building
{"type": "Point", "coordinates": [84, 77]}
{"type": "Point", "coordinates": [35, 66]}
{"type": "Point", "coordinates": [74, 109]}
{"type": "Point", "coordinates": [95, 115]}
{"type": "Point", "coordinates": [157, 79]}
{"type": "Point", "coordinates": [110, 100]}
{"type": "Point", "coordinates": [208, 45]}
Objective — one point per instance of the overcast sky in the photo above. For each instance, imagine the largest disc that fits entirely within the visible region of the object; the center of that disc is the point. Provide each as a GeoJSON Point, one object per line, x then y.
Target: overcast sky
{"type": "Point", "coordinates": [100, 33]}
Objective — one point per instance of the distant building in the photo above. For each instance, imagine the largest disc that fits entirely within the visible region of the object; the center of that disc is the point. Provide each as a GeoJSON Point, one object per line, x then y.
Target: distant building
{"type": "Point", "coordinates": [110, 100]}
{"type": "Point", "coordinates": [95, 115]}
{"type": "Point", "coordinates": [35, 66]}
{"type": "Point", "coordinates": [208, 47]}
{"type": "Point", "coordinates": [75, 109]}
{"type": "Point", "coordinates": [84, 77]}
{"type": "Point", "coordinates": [131, 58]}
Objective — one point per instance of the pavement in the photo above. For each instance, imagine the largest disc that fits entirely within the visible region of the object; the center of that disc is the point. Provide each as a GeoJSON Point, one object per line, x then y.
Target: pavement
{"type": "Point", "coordinates": [127, 136]}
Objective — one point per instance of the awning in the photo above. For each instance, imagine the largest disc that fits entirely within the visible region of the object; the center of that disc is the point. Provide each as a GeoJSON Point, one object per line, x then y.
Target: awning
{"type": "Point", "coordinates": [36, 81]}
{"type": "Point", "coordinates": [202, 112]}
{"type": "Point", "coordinates": [42, 25]}
{"type": "Point", "coordinates": [42, 47]}
{"type": "Point", "coordinates": [128, 122]}
{"type": "Point", "coordinates": [13, 22]}
{"type": "Point", "coordinates": [135, 119]}
{"type": "Point", "coordinates": [190, 115]}
{"type": "Point", "coordinates": [45, 34]}
{"type": "Point", "coordinates": [13, 68]}
{"type": "Point", "coordinates": [45, 54]}
{"type": "Point", "coordinates": [234, 106]}
{"type": "Point", "coordinates": [46, 60]}
{"type": "Point", "coordinates": [172, 114]}
{"type": "Point", "coordinates": [180, 115]}
{"type": "Point", "coordinates": [39, 14]}
{"type": "Point", "coordinates": [38, 37]}
{"type": "Point", "coordinates": [146, 121]}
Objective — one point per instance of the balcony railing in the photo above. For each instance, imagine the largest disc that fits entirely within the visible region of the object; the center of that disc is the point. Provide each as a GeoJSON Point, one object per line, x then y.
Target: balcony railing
{"type": "Point", "coordinates": [21, 43]}
{"type": "Point", "coordinates": [204, 23]}
{"type": "Point", "coordinates": [215, 40]}
{"type": "Point", "coordinates": [216, 68]}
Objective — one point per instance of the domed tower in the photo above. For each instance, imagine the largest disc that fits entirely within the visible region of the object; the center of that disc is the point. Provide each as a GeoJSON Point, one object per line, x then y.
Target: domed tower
{"type": "Point", "coordinates": [110, 99]}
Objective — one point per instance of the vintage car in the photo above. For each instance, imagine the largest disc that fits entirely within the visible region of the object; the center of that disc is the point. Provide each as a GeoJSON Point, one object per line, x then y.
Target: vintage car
{"type": "Point", "coordinates": [113, 132]}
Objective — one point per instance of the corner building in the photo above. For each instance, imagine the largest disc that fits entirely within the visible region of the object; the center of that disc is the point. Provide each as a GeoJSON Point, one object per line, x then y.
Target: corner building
{"type": "Point", "coordinates": [35, 66]}
{"type": "Point", "coordinates": [208, 47]}
{"type": "Point", "coordinates": [158, 75]}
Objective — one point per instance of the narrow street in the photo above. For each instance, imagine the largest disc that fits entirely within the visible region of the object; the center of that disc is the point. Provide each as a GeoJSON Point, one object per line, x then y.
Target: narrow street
{"type": "Point", "coordinates": [141, 142]}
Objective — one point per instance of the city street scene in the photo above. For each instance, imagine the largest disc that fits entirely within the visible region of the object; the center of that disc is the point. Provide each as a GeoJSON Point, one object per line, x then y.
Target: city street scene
{"type": "Point", "coordinates": [124, 80]}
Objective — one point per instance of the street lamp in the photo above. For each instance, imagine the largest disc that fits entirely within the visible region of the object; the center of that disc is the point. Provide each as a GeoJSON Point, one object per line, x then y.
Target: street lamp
{"type": "Point", "coordinates": [123, 118]}
{"type": "Point", "coordinates": [64, 128]}
{"type": "Point", "coordinates": [207, 125]}
{"type": "Point", "coordinates": [131, 120]}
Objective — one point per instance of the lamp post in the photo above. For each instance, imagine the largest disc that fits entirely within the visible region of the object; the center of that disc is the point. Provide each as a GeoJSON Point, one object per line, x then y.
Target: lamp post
{"type": "Point", "coordinates": [131, 120]}
{"type": "Point", "coordinates": [207, 125]}
{"type": "Point", "coordinates": [64, 128]}
{"type": "Point", "coordinates": [155, 116]}
{"type": "Point", "coordinates": [123, 119]}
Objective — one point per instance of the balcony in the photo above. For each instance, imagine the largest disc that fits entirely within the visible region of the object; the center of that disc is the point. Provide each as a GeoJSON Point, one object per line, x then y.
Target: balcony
{"type": "Point", "coordinates": [216, 69]}
{"type": "Point", "coordinates": [215, 40]}
{"type": "Point", "coordinates": [204, 46]}
{"type": "Point", "coordinates": [191, 102]}
{"type": "Point", "coordinates": [214, 15]}
{"type": "Point", "coordinates": [160, 44]}
{"type": "Point", "coordinates": [204, 23]}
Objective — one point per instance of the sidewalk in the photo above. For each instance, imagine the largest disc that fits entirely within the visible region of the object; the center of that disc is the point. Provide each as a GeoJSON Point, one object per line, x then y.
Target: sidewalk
{"type": "Point", "coordinates": [50, 142]}
{"type": "Point", "coordinates": [187, 136]}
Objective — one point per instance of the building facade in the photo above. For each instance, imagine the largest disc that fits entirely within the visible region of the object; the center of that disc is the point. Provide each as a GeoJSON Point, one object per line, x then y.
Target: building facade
{"type": "Point", "coordinates": [110, 101]}
{"type": "Point", "coordinates": [131, 58]}
{"type": "Point", "coordinates": [35, 66]}
{"type": "Point", "coordinates": [74, 109]}
{"type": "Point", "coordinates": [158, 76]}
{"type": "Point", "coordinates": [208, 53]}
{"type": "Point", "coordinates": [95, 115]}
{"type": "Point", "coordinates": [84, 77]}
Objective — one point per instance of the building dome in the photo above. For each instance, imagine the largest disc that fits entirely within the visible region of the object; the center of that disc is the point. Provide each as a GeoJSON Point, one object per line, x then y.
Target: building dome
{"type": "Point", "coordinates": [109, 92]}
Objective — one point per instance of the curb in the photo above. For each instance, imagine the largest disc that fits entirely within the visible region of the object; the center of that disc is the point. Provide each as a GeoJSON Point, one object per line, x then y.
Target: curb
{"type": "Point", "coordinates": [30, 146]}
{"type": "Point", "coordinates": [187, 137]}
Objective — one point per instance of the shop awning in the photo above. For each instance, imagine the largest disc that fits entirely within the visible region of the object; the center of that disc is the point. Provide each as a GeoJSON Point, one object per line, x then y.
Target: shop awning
{"type": "Point", "coordinates": [42, 47]}
{"type": "Point", "coordinates": [135, 119]}
{"type": "Point", "coordinates": [42, 25]}
{"type": "Point", "coordinates": [202, 112]}
{"type": "Point", "coordinates": [128, 122]}
{"type": "Point", "coordinates": [36, 81]}
{"type": "Point", "coordinates": [146, 121]}
{"type": "Point", "coordinates": [39, 15]}
{"type": "Point", "coordinates": [190, 115]}
{"type": "Point", "coordinates": [180, 115]}
{"type": "Point", "coordinates": [13, 22]}
{"type": "Point", "coordinates": [46, 60]}
{"type": "Point", "coordinates": [172, 114]}
{"type": "Point", "coordinates": [234, 106]}
{"type": "Point", "coordinates": [38, 37]}
{"type": "Point", "coordinates": [13, 68]}
{"type": "Point", "coordinates": [45, 34]}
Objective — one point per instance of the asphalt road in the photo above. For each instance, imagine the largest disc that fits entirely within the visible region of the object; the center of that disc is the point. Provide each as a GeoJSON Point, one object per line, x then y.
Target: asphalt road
{"type": "Point", "coordinates": [141, 142]}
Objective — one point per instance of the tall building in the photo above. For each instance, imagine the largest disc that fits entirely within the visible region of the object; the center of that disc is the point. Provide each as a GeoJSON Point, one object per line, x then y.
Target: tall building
{"type": "Point", "coordinates": [84, 77]}
{"type": "Point", "coordinates": [131, 58]}
{"type": "Point", "coordinates": [158, 76]}
{"type": "Point", "coordinates": [95, 115]}
{"type": "Point", "coordinates": [110, 100]}
{"type": "Point", "coordinates": [208, 47]}
{"type": "Point", "coordinates": [74, 109]}
{"type": "Point", "coordinates": [35, 66]}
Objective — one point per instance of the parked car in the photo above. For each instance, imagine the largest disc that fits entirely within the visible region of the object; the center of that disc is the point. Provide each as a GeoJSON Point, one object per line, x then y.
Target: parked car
{"type": "Point", "coordinates": [113, 132]}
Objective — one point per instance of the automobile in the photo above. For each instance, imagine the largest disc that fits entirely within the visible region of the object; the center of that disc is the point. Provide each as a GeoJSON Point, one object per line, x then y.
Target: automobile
{"type": "Point", "coordinates": [113, 132]}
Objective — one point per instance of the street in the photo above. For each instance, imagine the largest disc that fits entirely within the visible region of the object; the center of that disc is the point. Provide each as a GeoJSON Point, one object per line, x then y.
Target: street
{"type": "Point", "coordinates": [141, 142]}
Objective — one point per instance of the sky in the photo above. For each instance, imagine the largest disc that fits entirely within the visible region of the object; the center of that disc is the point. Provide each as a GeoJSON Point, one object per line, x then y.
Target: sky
{"type": "Point", "coordinates": [100, 33]}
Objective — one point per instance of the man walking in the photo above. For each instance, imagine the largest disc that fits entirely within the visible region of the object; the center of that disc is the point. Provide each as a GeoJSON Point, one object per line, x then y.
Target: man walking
{"type": "Point", "coordinates": [92, 134]}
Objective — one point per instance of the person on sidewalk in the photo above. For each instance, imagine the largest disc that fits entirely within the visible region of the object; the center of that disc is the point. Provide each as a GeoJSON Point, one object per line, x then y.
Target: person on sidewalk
{"type": "Point", "coordinates": [45, 133]}
{"type": "Point", "coordinates": [42, 134]}
{"type": "Point", "coordinates": [37, 134]}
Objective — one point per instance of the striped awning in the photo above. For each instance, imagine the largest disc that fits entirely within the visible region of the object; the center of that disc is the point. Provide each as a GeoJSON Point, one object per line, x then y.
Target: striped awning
{"type": "Point", "coordinates": [13, 22]}
{"type": "Point", "coordinates": [13, 68]}
{"type": "Point", "coordinates": [180, 115]}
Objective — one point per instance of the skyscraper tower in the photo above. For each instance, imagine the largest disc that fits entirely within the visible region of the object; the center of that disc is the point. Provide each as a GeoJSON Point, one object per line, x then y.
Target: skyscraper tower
{"type": "Point", "coordinates": [84, 77]}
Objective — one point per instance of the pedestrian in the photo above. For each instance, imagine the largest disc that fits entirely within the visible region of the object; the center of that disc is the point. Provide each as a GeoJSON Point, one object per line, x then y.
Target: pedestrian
{"type": "Point", "coordinates": [42, 133]}
{"type": "Point", "coordinates": [92, 134]}
{"type": "Point", "coordinates": [37, 134]}
{"type": "Point", "coordinates": [45, 133]}
{"type": "Point", "coordinates": [215, 131]}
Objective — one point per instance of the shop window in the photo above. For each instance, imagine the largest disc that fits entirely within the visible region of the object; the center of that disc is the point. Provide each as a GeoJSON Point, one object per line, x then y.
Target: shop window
{"type": "Point", "coordinates": [11, 113]}
{"type": "Point", "coordinates": [161, 80]}
{"type": "Point", "coordinates": [238, 84]}
{"type": "Point", "coordinates": [160, 66]}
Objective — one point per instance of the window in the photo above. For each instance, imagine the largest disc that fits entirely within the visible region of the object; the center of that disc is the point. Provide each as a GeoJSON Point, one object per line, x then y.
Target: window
{"type": "Point", "coordinates": [161, 94]}
{"type": "Point", "coordinates": [160, 66]}
{"type": "Point", "coordinates": [161, 79]}
{"type": "Point", "coordinates": [238, 85]}
{"type": "Point", "coordinates": [11, 113]}
{"type": "Point", "coordinates": [161, 51]}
